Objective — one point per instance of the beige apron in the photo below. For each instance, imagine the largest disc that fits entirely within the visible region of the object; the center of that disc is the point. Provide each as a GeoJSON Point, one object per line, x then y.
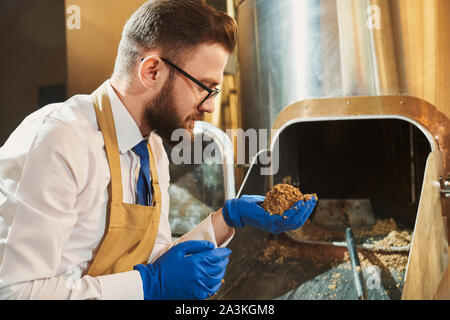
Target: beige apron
{"type": "Point", "coordinates": [130, 229]}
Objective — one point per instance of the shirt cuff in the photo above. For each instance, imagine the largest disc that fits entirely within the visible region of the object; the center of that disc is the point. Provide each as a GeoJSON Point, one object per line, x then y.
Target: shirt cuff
{"type": "Point", "coordinates": [122, 286]}
{"type": "Point", "coordinates": [205, 231]}
{"type": "Point", "coordinates": [227, 241]}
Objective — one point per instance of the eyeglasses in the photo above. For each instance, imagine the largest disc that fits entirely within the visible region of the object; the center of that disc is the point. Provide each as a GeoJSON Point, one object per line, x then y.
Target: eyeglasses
{"type": "Point", "coordinates": [212, 93]}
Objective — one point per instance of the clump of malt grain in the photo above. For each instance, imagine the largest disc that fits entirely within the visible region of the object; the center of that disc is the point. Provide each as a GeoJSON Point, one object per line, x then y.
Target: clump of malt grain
{"type": "Point", "coordinates": [395, 239]}
{"type": "Point", "coordinates": [388, 261]}
{"type": "Point", "coordinates": [282, 197]}
{"type": "Point", "coordinates": [279, 251]}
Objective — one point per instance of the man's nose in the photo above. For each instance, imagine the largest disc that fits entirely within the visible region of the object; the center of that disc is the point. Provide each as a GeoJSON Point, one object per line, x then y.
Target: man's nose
{"type": "Point", "coordinates": [207, 106]}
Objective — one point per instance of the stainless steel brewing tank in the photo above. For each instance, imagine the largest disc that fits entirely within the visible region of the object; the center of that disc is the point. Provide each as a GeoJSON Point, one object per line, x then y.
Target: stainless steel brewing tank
{"type": "Point", "coordinates": [321, 60]}
{"type": "Point", "coordinates": [294, 50]}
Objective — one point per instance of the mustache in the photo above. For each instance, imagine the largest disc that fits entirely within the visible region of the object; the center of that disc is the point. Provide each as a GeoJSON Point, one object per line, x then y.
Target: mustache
{"type": "Point", "coordinates": [196, 117]}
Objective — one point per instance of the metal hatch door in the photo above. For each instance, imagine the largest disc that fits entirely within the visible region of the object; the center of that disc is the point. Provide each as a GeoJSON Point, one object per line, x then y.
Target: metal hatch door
{"type": "Point", "coordinates": [428, 259]}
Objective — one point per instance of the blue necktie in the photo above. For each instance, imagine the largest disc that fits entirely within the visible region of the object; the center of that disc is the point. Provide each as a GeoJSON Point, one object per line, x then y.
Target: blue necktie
{"type": "Point", "coordinates": [143, 185]}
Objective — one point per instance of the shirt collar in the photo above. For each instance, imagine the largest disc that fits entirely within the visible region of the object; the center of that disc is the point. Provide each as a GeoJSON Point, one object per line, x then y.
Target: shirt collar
{"type": "Point", "coordinates": [127, 130]}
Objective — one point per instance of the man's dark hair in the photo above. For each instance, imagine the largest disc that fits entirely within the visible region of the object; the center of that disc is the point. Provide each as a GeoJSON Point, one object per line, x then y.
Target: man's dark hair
{"type": "Point", "coordinates": [175, 27]}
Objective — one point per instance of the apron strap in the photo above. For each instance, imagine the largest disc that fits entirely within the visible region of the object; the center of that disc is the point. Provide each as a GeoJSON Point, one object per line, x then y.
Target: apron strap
{"type": "Point", "coordinates": [106, 124]}
{"type": "Point", "coordinates": [156, 196]}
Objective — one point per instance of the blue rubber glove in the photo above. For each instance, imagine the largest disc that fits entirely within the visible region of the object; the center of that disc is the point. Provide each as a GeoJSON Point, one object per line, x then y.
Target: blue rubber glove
{"type": "Point", "coordinates": [247, 211]}
{"type": "Point", "coordinates": [189, 270]}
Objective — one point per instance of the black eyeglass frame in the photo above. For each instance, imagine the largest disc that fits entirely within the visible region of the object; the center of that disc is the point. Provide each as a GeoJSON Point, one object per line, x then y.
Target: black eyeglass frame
{"type": "Point", "coordinates": [212, 93]}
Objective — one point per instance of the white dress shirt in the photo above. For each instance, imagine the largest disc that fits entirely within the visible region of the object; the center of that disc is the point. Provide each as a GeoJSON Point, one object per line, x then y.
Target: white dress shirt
{"type": "Point", "coordinates": [54, 178]}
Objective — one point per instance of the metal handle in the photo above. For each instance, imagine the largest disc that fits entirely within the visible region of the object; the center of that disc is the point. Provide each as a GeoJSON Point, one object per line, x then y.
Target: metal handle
{"type": "Point", "coordinates": [445, 187]}
{"type": "Point", "coordinates": [227, 152]}
{"type": "Point", "coordinates": [356, 267]}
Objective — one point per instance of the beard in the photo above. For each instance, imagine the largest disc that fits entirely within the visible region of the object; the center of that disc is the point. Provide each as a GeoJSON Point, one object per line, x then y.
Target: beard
{"type": "Point", "coordinates": [162, 117]}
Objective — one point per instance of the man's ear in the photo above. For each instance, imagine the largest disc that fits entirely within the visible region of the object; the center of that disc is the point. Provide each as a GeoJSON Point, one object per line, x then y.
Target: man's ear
{"type": "Point", "coordinates": [150, 71]}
